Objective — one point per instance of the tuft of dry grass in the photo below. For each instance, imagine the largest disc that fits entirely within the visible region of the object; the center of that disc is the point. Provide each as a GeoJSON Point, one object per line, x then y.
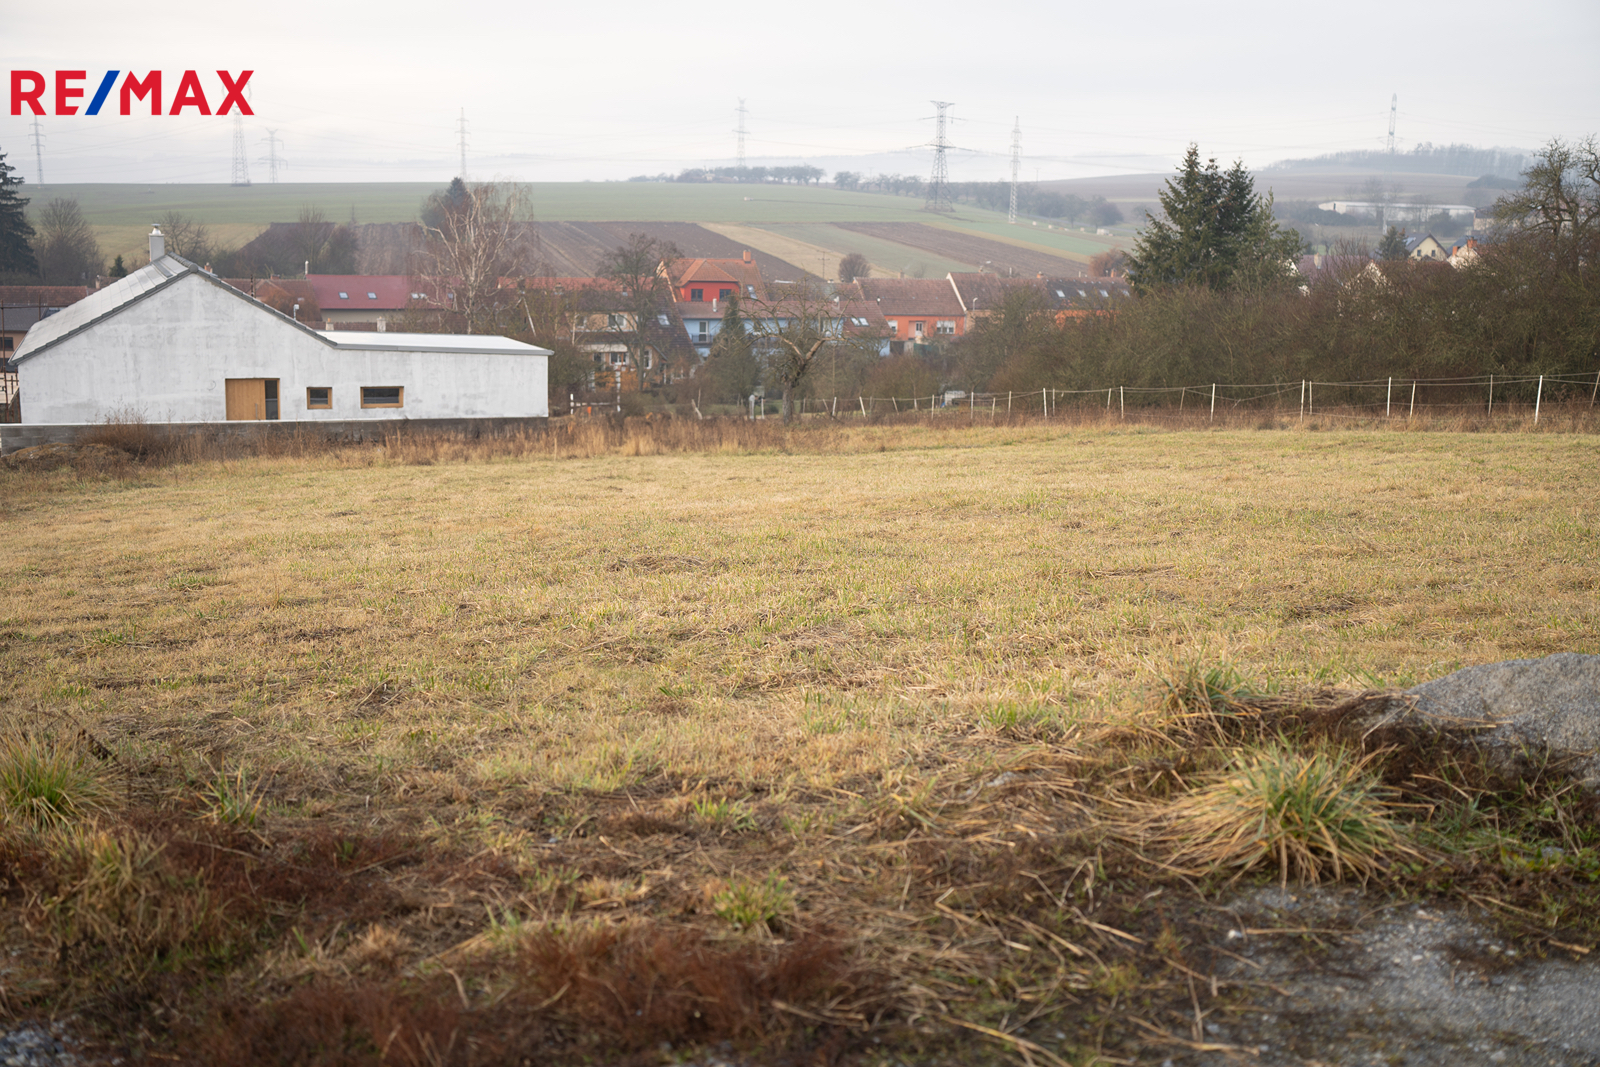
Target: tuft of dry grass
{"type": "Point", "coordinates": [46, 782]}
{"type": "Point", "coordinates": [1307, 813]}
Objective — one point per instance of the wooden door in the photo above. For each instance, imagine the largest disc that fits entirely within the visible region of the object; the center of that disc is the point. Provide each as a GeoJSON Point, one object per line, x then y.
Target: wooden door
{"type": "Point", "coordinates": [246, 398]}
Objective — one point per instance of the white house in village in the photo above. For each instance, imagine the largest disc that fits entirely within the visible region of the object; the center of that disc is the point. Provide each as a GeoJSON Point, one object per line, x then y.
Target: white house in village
{"type": "Point", "coordinates": [173, 343]}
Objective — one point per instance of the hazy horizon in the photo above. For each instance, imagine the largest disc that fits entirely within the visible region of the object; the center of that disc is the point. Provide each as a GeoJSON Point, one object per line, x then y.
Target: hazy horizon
{"type": "Point", "coordinates": [551, 95]}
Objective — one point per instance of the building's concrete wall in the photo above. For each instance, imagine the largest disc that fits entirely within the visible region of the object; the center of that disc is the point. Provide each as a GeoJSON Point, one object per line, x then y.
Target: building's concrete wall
{"type": "Point", "coordinates": [165, 358]}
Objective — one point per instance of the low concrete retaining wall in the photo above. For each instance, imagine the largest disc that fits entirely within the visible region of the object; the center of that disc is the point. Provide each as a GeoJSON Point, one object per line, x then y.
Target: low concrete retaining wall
{"type": "Point", "coordinates": [14, 436]}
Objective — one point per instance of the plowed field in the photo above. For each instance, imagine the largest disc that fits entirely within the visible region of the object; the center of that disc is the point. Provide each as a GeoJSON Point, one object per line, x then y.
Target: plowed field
{"type": "Point", "coordinates": [969, 249]}
{"type": "Point", "coordinates": [574, 249]}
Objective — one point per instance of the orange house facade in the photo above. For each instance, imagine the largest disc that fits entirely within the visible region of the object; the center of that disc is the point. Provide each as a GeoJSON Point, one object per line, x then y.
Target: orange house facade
{"type": "Point", "coordinates": [920, 310]}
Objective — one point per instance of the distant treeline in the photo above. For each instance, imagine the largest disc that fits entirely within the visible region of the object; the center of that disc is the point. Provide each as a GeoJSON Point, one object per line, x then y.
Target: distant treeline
{"type": "Point", "coordinates": [798, 174]}
{"type": "Point", "coordinates": [1425, 158]}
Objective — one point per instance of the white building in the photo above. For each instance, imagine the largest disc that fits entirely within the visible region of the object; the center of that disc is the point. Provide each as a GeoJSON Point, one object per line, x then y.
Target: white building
{"type": "Point", "coordinates": [173, 343]}
{"type": "Point", "coordinates": [1400, 212]}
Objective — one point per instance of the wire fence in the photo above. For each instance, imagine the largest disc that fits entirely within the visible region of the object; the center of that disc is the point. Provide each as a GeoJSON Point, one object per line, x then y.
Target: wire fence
{"type": "Point", "coordinates": [1489, 395]}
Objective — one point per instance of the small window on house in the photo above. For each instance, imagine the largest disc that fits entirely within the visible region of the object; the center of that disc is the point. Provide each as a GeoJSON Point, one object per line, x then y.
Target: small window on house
{"type": "Point", "coordinates": [751, 290]}
{"type": "Point", "coordinates": [919, 328]}
{"type": "Point", "coordinates": [894, 325]}
{"type": "Point", "coordinates": [1062, 295]}
{"type": "Point", "coordinates": [344, 296]}
{"type": "Point", "coordinates": [662, 319]}
{"type": "Point", "coordinates": [697, 295]}
{"type": "Point", "coordinates": [372, 296]}
{"type": "Point", "coordinates": [724, 294]}
{"type": "Point", "coordinates": [946, 326]}
{"type": "Point", "coordinates": [383, 396]}
{"type": "Point", "coordinates": [857, 320]}
{"type": "Point", "coordinates": [1105, 294]}
{"type": "Point", "coordinates": [6, 344]}
{"type": "Point", "coordinates": [614, 322]}
{"type": "Point", "coordinates": [319, 397]}
{"type": "Point", "coordinates": [619, 358]}
{"type": "Point", "coordinates": [702, 332]}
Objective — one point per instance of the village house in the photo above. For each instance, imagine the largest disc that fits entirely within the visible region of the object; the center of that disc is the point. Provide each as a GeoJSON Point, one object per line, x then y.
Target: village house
{"type": "Point", "coordinates": [916, 310]}
{"type": "Point", "coordinates": [363, 301]}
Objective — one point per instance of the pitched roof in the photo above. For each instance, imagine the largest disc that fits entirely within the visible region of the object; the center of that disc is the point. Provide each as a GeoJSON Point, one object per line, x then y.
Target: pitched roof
{"type": "Point", "coordinates": [57, 296]}
{"type": "Point", "coordinates": [742, 273]}
{"type": "Point", "coordinates": [169, 270]}
{"type": "Point", "coordinates": [912, 296]}
{"type": "Point", "coordinates": [361, 292]}
{"type": "Point", "coordinates": [861, 316]}
{"type": "Point", "coordinates": [983, 291]}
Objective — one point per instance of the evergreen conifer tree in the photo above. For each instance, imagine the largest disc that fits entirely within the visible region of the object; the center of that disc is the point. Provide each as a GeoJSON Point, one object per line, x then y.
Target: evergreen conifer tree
{"type": "Point", "coordinates": [16, 254]}
{"type": "Point", "coordinates": [1393, 245]}
{"type": "Point", "coordinates": [1216, 231]}
{"type": "Point", "coordinates": [118, 270]}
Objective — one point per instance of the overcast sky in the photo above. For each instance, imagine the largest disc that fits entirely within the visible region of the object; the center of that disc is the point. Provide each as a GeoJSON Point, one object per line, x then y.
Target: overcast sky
{"type": "Point", "coordinates": [575, 91]}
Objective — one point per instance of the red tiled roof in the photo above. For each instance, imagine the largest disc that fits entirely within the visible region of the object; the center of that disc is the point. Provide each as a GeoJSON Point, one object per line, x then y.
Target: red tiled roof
{"type": "Point", "coordinates": [685, 272]}
{"type": "Point", "coordinates": [361, 292]}
{"type": "Point", "coordinates": [53, 296]}
{"type": "Point", "coordinates": [912, 296]}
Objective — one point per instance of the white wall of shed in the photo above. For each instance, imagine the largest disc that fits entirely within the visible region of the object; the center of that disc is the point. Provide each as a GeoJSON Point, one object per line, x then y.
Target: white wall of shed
{"type": "Point", "coordinates": [166, 358]}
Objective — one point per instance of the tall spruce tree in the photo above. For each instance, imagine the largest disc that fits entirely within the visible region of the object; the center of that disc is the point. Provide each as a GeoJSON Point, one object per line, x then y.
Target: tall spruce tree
{"type": "Point", "coordinates": [1215, 231]}
{"type": "Point", "coordinates": [16, 254]}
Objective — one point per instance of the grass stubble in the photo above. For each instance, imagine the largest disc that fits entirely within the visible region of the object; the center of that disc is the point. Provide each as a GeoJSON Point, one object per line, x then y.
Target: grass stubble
{"type": "Point", "coordinates": [890, 744]}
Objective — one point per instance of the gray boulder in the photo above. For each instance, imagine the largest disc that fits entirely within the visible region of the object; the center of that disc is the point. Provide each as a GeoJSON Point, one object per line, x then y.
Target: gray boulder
{"type": "Point", "coordinates": [1519, 711]}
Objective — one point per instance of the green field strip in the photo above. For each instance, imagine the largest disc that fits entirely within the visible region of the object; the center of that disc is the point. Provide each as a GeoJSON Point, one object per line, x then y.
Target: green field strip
{"type": "Point", "coordinates": [1071, 244]}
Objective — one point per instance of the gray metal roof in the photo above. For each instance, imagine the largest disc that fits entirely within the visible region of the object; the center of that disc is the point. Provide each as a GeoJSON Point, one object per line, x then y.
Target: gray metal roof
{"type": "Point", "coordinates": [367, 341]}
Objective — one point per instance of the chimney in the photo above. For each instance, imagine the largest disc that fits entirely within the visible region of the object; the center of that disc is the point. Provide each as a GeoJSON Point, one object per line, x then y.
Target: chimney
{"type": "Point", "coordinates": [747, 255]}
{"type": "Point", "coordinates": [158, 243]}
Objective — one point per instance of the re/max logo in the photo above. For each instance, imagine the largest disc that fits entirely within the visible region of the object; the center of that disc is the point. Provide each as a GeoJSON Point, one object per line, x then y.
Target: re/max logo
{"type": "Point", "coordinates": [28, 86]}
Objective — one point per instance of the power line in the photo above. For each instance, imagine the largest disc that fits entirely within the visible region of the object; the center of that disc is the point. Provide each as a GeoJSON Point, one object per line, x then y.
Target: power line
{"type": "Point", "coordinates": [38, 153]}
{"type": "Point", "coordinates": [462, 129]}
{"type": "Point", "coordinates": [241, 165]}
{"type": "Point", "coordinates": [939, 184]}
{"type": "Point", "coordinates": [1016, 166]}
{"type": "Point", "coordinates": [273, 162]}
{"type": "Point", "coordinates": [741, 132]}
{"type": "Point", "coordinates": [1394, 108]}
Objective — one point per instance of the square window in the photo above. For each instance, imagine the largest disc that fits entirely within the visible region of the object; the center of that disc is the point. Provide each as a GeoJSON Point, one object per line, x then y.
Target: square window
{"type": "Point", "coordinates": [372, 296]}
{"type": "Point", "coordinates": [697, 295]}
{"type": "Point", "coordinates": [662, 319]}
{"type": "Point", "coordinates": [725, 293]}
{"type": "Point", "coordinates": [947, 326]}
{"type": "Point", "coordinates": [6, 344]}
{"type": "Point", "coordinates": [383, 396]}
{"type": "Point", "coordinates": [344, 296]}
{"type": "Point", "coordinates": [319, 397]}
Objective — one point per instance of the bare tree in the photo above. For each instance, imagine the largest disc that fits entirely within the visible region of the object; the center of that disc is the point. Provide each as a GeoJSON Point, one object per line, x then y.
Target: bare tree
{"type": "Point", "coordinates": [796, 325]}
{"type": "Point", "coordinates": [66, 248]}
{"type": "Point", "coordinates": [854, 265]}
{"type": "Point", "coordinates": [640, 272]}
{"type": "Point", "coordinates": [185, 237]}
{"type": "Point", "coordinates": [474, 239]}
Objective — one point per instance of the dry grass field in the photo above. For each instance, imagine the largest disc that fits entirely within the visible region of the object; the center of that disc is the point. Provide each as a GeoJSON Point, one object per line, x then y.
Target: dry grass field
{"type": "Point", "coordinates": [892, 744]}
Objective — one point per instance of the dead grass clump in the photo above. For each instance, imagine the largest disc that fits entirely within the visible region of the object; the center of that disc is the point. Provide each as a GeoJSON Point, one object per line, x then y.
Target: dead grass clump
{"type": "Point", "coordinates": [128, 432]}
{"type": "Point", "coordinates": [636, 985]}
{"type": "Point", "coordinates": [47, 782]}
{"type": "Point", "coordinates": [1308, 813]}
{"type": "Point", "coordinates": [333, 1024]}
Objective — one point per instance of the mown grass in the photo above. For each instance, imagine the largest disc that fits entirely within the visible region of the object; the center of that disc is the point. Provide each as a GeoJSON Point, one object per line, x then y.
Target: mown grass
{"type": "Point", "coordinates": [822, 742]}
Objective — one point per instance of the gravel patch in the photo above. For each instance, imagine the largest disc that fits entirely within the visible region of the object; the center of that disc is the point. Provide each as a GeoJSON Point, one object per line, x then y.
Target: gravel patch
{"type": "Point", "coordinates": [1398, 986]}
